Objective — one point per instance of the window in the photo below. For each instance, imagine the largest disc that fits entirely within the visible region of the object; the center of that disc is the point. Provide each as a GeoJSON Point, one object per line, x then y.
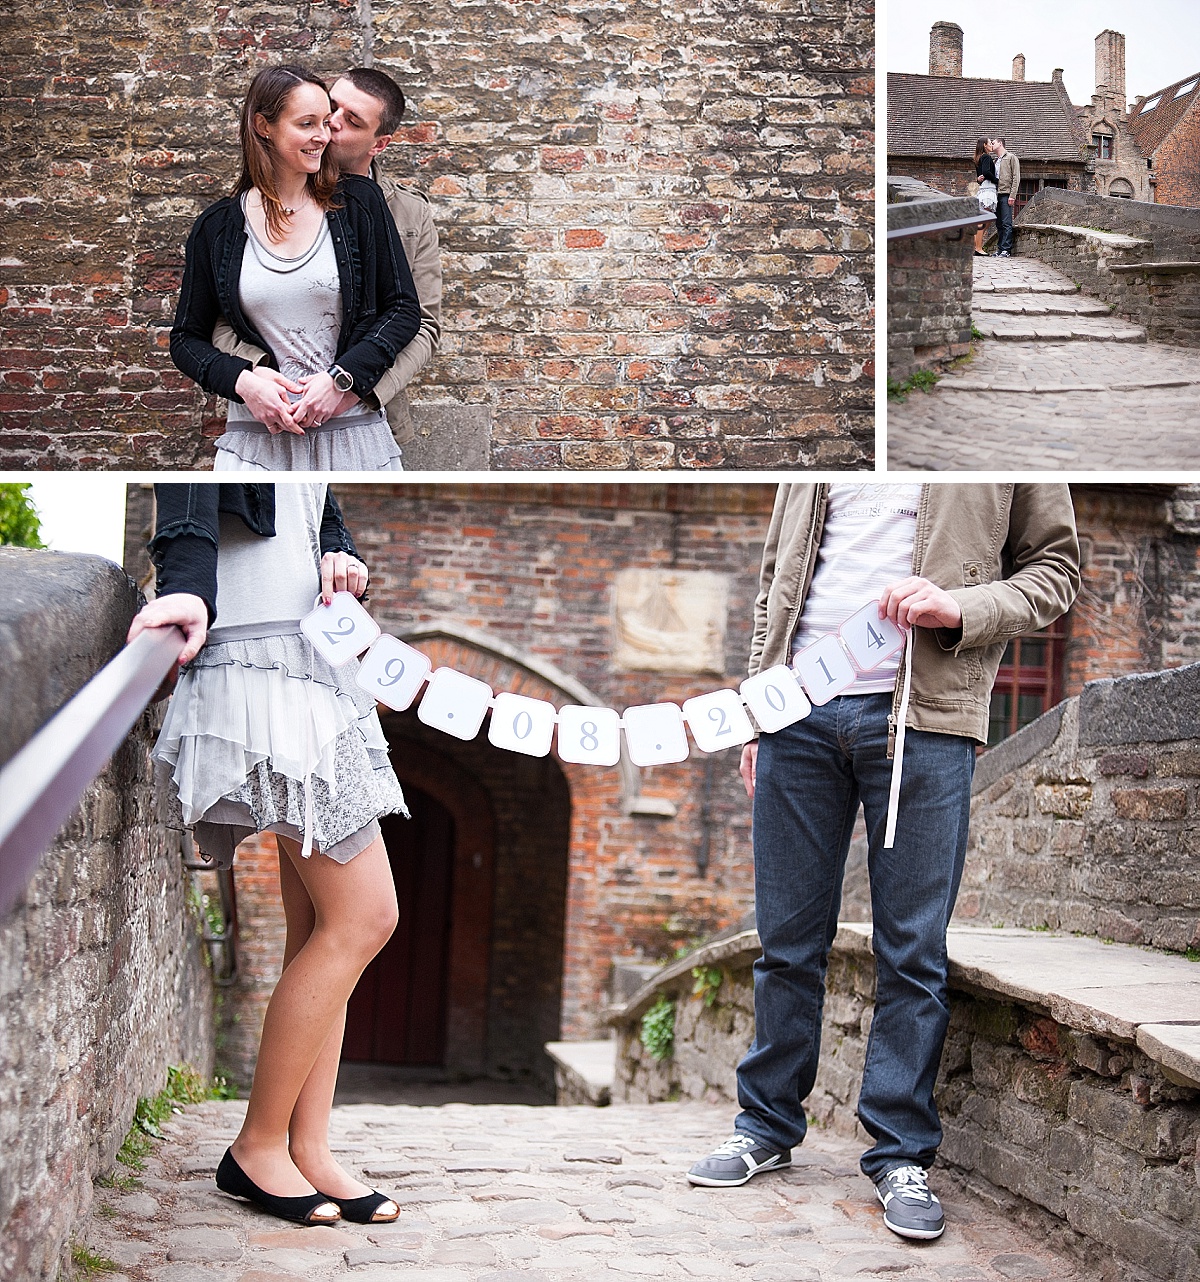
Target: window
{"type": "Point", "coordinates": [1029, 681]}
{"type": "Point", "coordinates": [1104, 146]}
{"type": "Point", "coordinates": [1025, 193]}
{"type": "Point", "coordinates": [1151, 103]}
{"type": "Point", "coordinates": [1191, 84]}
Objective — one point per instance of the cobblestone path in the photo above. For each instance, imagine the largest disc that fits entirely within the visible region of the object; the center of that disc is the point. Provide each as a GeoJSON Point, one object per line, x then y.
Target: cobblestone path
{"type": "Point", "coordinates": [505, 1193]}
{"type": "Point", "coordinates": [1056, 382]}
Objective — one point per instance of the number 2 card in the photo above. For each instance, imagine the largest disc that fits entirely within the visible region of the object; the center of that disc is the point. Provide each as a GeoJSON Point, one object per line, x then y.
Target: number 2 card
{"type": "Point", "coordinates": [340, 630]}
{"type": "Point", "coordinates": [718, 721]}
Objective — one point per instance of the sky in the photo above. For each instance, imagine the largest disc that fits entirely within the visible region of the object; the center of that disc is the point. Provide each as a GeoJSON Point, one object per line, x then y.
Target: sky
{"type": "Point", "coordinates": [81, 512]}
{"type": "Point", "coordinates": [1162, 39]}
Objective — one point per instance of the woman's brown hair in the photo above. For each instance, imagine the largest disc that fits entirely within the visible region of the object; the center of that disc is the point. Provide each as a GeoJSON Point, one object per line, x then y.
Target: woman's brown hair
{"type": "Point", "coordinates": [267, 96]}
{"type": "Point", "coordinates": [980, 148]}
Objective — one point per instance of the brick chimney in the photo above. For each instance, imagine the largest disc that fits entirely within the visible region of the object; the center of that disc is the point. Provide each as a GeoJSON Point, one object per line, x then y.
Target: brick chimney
{"type": "Point", "coordinates": [1110, 65]}
{"type": "Point", "coordinates": [1019, 67]}
{"type": "Point", "coordinates": [945, 49]}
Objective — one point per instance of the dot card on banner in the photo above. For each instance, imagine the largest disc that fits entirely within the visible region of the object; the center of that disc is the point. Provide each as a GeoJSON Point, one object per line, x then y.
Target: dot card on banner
{"type": "Point", "coordinates": [655, 735]}
{"type": "Point", "coordinates": [393, 672]}
{"type": "Point", "coordinates": [340, 630]}
{"type": "Point", "coordinates": [718, 720]}
{"type": "Point", "coordinates": [776, 698]}
{"type": "Point", "coordinates": [521, 724]}
{"type": "Point", "coordinates": [455, 703]}
{"type": "Point", "coordinates": [824, 669]}
{"type": "Point", "coordinates": [589, 736]}
{"type": "Point", "coordinates": [869, 638]}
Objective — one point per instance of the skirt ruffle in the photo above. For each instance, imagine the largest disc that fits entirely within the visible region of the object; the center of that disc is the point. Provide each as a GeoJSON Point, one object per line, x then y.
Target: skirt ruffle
{"type": "Point", "coordinates": [259, 721]}
{"type": "Point", "coordinates": [366, 445]}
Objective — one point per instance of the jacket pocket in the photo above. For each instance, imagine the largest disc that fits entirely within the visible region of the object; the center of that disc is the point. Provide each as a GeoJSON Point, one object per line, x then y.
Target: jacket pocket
{"type": "Point", "coordinates": [973, 574]}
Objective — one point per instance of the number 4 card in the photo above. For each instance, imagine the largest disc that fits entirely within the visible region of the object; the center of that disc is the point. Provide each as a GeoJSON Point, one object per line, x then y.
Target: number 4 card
{"type": "Point", "coordinates": [869, 638]}
{"type": "Point", "coordinates": [340, 630]}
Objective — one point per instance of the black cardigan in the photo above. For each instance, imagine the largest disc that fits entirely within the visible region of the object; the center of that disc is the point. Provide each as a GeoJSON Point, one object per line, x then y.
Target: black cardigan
{"type": "Point", "coordinates": [187, 532]}
{"type": "Point", "coordinates": [380, 311]}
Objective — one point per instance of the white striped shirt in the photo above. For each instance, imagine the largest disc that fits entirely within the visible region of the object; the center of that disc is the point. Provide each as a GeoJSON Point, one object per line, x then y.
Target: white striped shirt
{"type": "Point", "coordinates": [866, 544]}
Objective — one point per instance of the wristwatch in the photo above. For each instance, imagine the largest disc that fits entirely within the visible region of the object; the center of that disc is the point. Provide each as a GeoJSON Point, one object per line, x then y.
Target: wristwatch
{"type": "Point", "coordinates": [342, 379]}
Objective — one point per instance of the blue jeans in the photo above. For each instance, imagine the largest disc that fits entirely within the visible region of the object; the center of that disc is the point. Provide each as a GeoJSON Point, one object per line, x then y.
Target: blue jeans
{"type": "Point", "coordinates": [1004, 225]}
{"type": "Point", "coordinates": [810, 779]}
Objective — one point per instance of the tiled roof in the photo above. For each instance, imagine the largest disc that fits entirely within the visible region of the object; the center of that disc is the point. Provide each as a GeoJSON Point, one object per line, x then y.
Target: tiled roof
{"type": "Point", "coordinates": [943, 115]}
{"type": "Point", "coordinates": [1151, 127]}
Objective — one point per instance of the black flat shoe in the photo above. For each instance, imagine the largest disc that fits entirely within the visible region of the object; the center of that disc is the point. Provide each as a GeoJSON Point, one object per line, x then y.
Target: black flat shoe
{"type": "Point", "coordinates": [364, 1210]}
{"type": "Point", "coordinates": [300, 1210]}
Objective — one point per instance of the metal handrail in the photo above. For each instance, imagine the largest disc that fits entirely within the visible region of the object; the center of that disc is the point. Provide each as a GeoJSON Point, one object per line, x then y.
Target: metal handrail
{"type": "Point", "coordinates": [42, 784]}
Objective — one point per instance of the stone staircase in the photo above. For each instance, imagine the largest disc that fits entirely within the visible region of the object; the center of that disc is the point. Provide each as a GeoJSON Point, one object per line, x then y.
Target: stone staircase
{"type": "Point", "coordinates": [1022, 300]}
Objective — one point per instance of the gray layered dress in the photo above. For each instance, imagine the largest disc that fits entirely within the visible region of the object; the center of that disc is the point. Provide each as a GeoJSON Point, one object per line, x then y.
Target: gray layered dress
{"type": "Point", "coordinates": [261, 734]}
{"type": "Point", "coordinates": [296, 305]}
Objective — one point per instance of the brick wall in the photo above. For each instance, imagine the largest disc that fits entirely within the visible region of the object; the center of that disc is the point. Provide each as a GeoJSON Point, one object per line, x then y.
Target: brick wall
{"type": "Point", "coordinates": [655, 224]}
{"type": "Point", "coordinates": [1177, 178]}
{"type": "Point", "coordinates": [1138, 607]}
{"type": "Point", "coordinates": [954, 176]}
{"type": "Point", "coordinates": [929, 301]}
{"type": "Point", "coordinates": [102, 985]}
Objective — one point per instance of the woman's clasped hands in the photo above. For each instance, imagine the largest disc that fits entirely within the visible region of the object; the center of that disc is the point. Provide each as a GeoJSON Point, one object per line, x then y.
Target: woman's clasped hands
{"type": "Point", "coordinates": [268, 395]}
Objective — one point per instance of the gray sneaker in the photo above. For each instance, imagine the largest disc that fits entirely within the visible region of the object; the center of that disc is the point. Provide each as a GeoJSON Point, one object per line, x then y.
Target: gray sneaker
{"type": "Point", "coordinates": [909, 1208]}
{"type": "Point", "coordinates": [736, 1161]}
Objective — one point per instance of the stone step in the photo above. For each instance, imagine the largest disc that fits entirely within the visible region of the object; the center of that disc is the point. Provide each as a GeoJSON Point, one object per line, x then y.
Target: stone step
{"type": "Point", "coordinates": [1054, 329]}
{"type": "Point", "coordinates": [1030, 304]}
{"type": "Point", "coordinates": [1019, 286]}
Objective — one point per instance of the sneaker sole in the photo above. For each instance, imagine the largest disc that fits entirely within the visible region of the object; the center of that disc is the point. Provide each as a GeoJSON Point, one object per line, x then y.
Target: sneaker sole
{"type": "Point", "coordinates": [710, 1182]}
{"type": "Point", "coordinates": [920, 1235]}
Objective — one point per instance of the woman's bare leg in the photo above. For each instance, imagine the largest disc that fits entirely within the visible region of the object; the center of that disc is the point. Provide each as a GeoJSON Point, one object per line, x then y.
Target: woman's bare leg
{"type": "Point", "coordinates": [308, 1130]}
{"type": "Point", "coordinates": [352, 911]}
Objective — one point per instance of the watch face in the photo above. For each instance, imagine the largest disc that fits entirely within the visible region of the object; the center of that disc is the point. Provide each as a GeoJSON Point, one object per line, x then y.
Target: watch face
{"type": "Point", "coordinates": [342, 380]}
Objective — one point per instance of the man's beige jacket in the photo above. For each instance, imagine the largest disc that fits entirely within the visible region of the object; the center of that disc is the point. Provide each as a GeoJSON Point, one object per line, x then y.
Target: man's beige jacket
{"type": "Point", "coordinates": [1008, 176]}
{"type": "Point", "coordinates": [418, 234]}
{"type": "Point", "coordinates": [1008, 554]}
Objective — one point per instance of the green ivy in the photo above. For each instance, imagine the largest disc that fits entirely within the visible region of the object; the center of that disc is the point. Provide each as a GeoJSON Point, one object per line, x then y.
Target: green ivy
{"type": "Point", "coordinates": [658, 1029]}
{"type": "Point", "coordinates": [924, 380]}
{"type": "Point", "coordinates": [708, 982]}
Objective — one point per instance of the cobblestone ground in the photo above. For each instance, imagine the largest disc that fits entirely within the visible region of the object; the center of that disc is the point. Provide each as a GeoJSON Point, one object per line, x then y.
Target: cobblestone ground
{"type": "Point", "coordinates": [1055, 383]}
{"type": "Point", "coordinates": [505, 1193]}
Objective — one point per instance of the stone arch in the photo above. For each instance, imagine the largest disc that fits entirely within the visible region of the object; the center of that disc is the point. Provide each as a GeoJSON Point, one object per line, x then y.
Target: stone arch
{"type": "Point", "coordinates": [1121, 188]}
{"type": "Point", "coordinates": [592, 800]}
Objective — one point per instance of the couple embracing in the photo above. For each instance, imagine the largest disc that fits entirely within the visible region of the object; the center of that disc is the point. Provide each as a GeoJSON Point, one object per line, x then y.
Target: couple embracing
{"type": "Point", "coordinates": [998, 173]}
{"type": "Point", "coordinates": [311, 294]}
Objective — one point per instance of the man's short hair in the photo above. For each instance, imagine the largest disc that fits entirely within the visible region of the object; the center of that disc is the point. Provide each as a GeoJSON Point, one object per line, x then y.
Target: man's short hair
{"type": "Point", "coordinates": [385, 91]}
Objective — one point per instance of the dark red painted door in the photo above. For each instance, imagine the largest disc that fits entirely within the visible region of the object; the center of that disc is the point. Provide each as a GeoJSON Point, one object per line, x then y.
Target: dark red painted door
{"type": "Point", "coordinates": [397, 1013]}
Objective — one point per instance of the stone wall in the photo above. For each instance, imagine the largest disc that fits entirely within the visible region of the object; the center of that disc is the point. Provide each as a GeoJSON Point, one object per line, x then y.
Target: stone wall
{"type": "Point", "coordinates": [1085, 820]}
{"type": "Point", "coordinates": [929, 279]}
{"type": "Point", "coordinates": [655, 222]}
{"type": "Point", "coordinates": [1164, 295]}
{"type": "Point", "coordinates": [102, 983]}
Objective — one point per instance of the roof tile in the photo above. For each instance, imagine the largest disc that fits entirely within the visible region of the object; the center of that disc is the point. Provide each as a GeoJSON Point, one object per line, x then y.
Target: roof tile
{"type": "Point", "coordinates": [943, 115]}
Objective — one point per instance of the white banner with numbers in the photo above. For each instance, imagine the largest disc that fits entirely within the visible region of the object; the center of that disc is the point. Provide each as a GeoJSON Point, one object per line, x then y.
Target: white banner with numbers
{"type": "Point", "coordinates": [655, 733]}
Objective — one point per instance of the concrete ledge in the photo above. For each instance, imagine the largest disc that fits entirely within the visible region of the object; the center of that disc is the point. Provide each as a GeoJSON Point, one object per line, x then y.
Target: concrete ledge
{"type": "Point", "coordinates": [1115, 240]}
{"type": "Point", "coordinates": [1155, 707]}
{"type": "Point", "coordinates": [583, 1071]}
{"type": "Point", "coordinates": [1160, 269]}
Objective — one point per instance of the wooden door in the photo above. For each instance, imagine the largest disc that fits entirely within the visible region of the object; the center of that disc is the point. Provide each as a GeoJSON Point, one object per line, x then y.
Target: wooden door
{"type": "Point", "coordinates": [397, 1013]}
